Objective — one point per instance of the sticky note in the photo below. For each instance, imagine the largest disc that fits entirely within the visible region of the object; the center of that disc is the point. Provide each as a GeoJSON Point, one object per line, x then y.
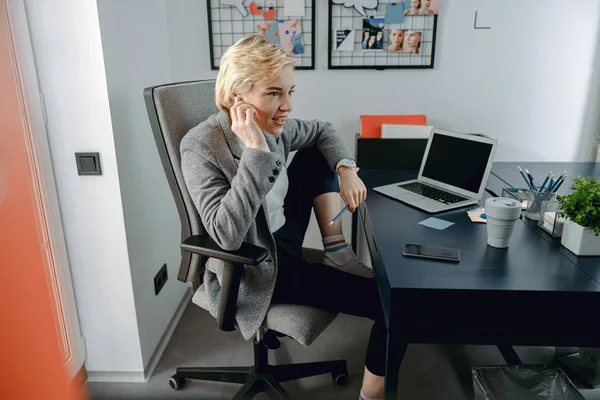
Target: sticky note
{"type": "Point", "coordinates": [293, 8]}
{"type": "Point", "coordinates": [394, 13]}
{"type": "Point", "coordinates": [436, 223]}
{"type": "Point", "coordinates": [478, 217]}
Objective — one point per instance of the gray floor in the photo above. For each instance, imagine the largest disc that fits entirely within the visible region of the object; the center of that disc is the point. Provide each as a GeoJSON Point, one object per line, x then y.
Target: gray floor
{"type": "Point", "coordinates": [428, 371]}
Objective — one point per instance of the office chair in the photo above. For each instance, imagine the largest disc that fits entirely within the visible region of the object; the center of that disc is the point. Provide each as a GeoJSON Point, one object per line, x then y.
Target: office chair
{"type": "Point", "coordinates": [173, 110]}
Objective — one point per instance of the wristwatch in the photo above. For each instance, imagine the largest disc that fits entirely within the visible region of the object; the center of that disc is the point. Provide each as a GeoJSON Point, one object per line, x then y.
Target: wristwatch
{"type": "Point", "coordinates": [346, 163]}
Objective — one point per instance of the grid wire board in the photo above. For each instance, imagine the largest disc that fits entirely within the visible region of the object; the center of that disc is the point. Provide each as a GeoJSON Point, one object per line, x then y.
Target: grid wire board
{"type": "Point", "coordinates": [343, 18]}
{"type": "Point", "coordinates": [226, 26]}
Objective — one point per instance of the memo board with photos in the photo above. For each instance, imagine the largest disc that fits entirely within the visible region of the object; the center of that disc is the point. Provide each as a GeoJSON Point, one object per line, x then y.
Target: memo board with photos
{"type": "Point", "coordinates": [395, 34]}
{"type": "Point", "coordinates": [288, 23]}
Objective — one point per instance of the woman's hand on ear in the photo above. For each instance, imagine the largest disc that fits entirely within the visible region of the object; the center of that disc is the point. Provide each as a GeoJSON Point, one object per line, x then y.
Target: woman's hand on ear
{"type": "Point", "coordinates": [244, 126]}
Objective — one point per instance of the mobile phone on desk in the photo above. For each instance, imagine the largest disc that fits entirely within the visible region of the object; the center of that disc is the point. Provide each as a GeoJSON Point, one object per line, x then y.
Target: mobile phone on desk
{"type": "Point", "coordinates": [436, 253]}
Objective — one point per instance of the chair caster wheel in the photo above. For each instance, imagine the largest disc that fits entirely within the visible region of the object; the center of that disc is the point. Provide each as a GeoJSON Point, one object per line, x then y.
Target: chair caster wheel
{"type": "Point", "coordinates": [176, 382]}
{"type": "Point", "coordinates": [339, 378]}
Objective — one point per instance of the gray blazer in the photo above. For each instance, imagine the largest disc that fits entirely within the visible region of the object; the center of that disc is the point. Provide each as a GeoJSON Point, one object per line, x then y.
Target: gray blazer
{"type": "Point", "coordinates": [228, 185]}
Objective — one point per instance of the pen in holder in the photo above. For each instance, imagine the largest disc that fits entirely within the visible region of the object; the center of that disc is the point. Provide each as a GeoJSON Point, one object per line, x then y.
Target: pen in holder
{"type": "Point", "coordinates": [534, 203]}
{"type": "Point", "coordinates": [519, 194]}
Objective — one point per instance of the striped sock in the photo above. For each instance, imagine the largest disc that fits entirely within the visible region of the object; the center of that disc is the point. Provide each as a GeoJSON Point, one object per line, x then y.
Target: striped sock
{"type": "Point", "coordinates": [336, 249]}
{"type": "Point", "coordinates": [363, 397]}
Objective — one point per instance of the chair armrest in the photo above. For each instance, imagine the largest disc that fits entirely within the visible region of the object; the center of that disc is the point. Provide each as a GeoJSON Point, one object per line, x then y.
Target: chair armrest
{"type": "Point", "coordinates": [206, 246]}
{"type": "Point", "coordinates": [232, 272]}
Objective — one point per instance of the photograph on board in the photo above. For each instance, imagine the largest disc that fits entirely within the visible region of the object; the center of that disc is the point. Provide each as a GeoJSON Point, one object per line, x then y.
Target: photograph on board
{"type": "Point", "coordinates": [286, 34]}
{"type": "Point", "coordinates": [290, 35]}
{"type": "Point", "coordinates": [395, 41]}
{"type": "Point", "coordinates": [421, 7]}
{"type": "Point", "coordinates": [412, 42]}
{"type": "Point", "coordinates": [373, 33]}
{"type": "Point", "coordinates": [344, 40]}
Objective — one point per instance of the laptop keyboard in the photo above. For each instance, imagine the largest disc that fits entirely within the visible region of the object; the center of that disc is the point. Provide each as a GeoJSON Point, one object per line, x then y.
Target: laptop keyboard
{"type": "Point", "coordinates": [432, 193]}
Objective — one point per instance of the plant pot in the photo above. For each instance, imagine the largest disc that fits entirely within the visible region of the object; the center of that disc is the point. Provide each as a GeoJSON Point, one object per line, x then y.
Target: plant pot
{"type": "Point", "coordinates": [580, 240]}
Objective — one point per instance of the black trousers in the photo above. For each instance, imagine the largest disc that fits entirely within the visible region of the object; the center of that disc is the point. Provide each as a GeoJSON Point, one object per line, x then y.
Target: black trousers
{"type": "Point", "coordinates": [318, 285]}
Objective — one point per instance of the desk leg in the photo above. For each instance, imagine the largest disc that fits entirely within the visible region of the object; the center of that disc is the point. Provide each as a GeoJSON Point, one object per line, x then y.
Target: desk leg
{"type": "Point", "coordinates": [396, 347]}
{"type": "Point", "coordinates": [510, 355]}
{"type": "Point", "coordinates": [354, 239]}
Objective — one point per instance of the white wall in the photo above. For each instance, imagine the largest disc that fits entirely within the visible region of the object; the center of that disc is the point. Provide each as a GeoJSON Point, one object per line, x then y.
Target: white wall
{"type": "Point", "coordinates": [136, 56]}
{"type": "Point", "coordinates": [527, 81]}
{"type": "Point", "coordinates": [68, 53]}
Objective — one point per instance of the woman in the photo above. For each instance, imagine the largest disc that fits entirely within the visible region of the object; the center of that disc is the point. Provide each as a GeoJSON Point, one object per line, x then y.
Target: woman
{"type": "Point", "coordinates": [425, 10]}
{"type": "Point", "coordinates": [366, 36]}
{"type": "Point", "coordinates": [234, 168]}
{"type": "Point", "coordinates": [396, 40]}
{"type": "Point", "coordinates": [379, 40]}
{"type": "Point", "coordinates": [415, 7]}
{"type": "Point", "coordinates": [413, 42]}
{"type": "Point", "coordinates": [372, 45]}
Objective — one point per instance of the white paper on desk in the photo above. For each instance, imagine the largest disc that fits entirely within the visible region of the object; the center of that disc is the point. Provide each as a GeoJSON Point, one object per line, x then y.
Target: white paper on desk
{"type": "Point", "coordinates": [293, 8]}
{"type": "Point", "coordinates": [392, 131]}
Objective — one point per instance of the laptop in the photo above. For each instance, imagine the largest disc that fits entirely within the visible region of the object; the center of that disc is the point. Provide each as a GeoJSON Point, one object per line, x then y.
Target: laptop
{"type": "Point", "coordinates": [453, 173]}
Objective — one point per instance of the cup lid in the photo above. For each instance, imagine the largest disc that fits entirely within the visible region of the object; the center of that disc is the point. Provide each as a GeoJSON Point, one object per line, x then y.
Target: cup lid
{"type": "Point", "coordinates": [502, 207]}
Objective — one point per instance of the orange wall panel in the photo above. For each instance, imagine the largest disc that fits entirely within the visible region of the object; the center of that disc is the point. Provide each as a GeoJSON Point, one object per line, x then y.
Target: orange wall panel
{"type": "Point", "coordinates": [31, 364]}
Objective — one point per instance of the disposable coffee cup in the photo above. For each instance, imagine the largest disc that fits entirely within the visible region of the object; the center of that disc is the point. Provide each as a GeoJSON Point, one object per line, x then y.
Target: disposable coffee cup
{"type": "Point", "coordinates": [502, 215]}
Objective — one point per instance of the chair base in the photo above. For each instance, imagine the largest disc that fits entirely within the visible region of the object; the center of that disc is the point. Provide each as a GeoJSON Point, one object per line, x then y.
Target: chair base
{"type": "Point", "coordinates": [261, 377]}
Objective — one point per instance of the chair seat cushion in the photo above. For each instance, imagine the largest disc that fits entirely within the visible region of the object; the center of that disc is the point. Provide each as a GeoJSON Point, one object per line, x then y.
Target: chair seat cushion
{"type": "Point", "coordinates": [302, 323]}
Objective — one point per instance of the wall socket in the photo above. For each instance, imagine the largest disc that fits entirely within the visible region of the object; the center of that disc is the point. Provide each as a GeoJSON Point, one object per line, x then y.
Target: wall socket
{"type": "Point", "coordinates": [160, 279]}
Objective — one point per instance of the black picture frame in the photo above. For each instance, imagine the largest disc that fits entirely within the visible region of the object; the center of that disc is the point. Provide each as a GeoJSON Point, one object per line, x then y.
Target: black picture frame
{"type": "Point", "coordinates": [210, 4]}
{"type": "Point", "coordinates": [330, 39]}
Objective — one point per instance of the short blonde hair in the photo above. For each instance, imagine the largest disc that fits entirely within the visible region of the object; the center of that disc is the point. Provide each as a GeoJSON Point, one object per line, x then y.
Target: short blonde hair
{"type": "Point", "coordinates": [254, 59]}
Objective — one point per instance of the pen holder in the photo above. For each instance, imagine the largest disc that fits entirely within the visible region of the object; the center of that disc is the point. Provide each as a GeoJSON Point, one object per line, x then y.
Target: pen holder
{"type": "Point", "coordinates": [534, 203]}
{"type": "Point", "coordinates": [552, 219]}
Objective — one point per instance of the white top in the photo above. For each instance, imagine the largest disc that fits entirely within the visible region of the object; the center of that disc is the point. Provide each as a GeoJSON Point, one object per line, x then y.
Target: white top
{"type": "Point", "coordinates": [275, 199]}
{"type": "Point", "coordinates": [276, 195]}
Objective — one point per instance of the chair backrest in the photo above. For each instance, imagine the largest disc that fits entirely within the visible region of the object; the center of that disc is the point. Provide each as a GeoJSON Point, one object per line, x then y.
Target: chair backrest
{"type": "Point", "coordinates": [173, 110]}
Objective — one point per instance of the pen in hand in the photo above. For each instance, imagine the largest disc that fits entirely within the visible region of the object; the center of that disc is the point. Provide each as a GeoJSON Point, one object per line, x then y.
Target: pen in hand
{"type": "Point", "coordinates": [339, 214]}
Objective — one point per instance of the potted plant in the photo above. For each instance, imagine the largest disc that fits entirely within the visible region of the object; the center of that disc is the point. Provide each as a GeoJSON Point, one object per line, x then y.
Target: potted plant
{"type": "Point", "coordinates": [581, 233]}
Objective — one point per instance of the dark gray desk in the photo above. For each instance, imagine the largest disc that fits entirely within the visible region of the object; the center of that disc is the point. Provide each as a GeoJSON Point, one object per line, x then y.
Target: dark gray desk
{"type": "Point", "coordinates": [509, 175]}
{"type": "Point", "coordinates": [528, 294]}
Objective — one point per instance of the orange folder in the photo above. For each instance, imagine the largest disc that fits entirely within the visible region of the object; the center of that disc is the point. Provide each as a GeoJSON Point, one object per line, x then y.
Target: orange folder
{"type": "Point", "coordinates": [370, 125]}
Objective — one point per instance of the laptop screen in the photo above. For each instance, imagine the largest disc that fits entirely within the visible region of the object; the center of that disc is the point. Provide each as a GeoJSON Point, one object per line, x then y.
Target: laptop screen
{"type": "Point", "coordinates": [457, 162]}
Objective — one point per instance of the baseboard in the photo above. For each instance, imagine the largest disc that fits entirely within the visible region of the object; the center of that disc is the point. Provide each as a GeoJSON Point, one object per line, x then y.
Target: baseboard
{"type": "Point", "coordinates": [116, 376]}
{"type": "Point", "coordinates": [166, 337]}
{"type": "Point", "coordinates": [139, 376]}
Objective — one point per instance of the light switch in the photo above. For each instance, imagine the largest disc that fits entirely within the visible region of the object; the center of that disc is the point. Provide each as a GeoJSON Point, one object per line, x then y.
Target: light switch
{"type": "Point", "coordinates": [88, 163]}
